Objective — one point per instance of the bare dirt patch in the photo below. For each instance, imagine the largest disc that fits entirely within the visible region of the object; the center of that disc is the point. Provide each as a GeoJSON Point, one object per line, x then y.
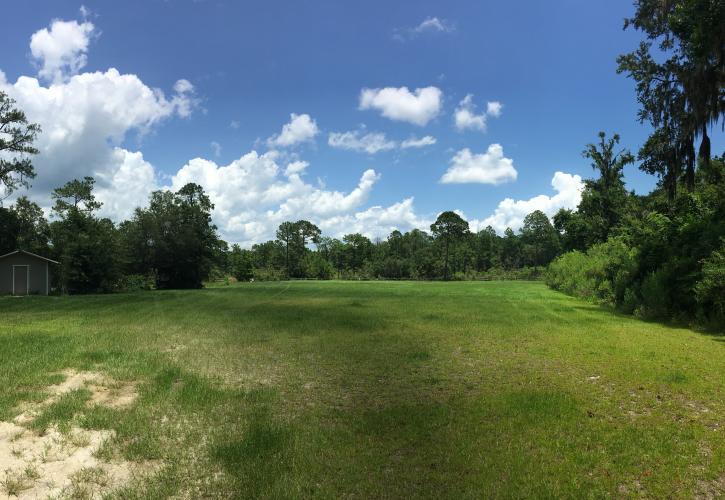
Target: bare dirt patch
{"type": "Point", "coordinates": [63, 464]}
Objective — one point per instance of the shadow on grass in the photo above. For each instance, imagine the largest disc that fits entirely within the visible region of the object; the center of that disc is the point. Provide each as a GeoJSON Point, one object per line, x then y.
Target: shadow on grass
{"type": "Point", "coordinates": [716, 332]}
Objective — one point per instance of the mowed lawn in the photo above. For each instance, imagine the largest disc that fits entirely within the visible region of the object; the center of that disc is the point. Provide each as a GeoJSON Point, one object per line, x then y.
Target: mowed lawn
{"type": "Point", "coordinates": [381, 390]}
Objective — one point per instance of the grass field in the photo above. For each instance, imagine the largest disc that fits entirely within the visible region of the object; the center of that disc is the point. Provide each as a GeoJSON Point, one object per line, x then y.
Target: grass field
{"type": "Point", "coordinates": [373, 390]}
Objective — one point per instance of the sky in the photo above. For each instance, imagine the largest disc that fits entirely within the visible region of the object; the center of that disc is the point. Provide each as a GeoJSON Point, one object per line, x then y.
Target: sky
{"type": "Point", "coordinates": [358, 116]}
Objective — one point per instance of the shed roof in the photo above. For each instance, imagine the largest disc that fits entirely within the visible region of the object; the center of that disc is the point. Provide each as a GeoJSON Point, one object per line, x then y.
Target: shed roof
{"type": "Point", "coordinates": [28, 253]}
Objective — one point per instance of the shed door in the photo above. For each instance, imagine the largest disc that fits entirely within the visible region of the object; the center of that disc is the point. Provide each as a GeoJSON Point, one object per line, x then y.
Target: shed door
{"type": "Point", "coordinates": [20, 280]}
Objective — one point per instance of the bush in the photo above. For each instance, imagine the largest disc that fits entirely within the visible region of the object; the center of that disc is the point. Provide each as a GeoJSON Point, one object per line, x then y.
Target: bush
{"type": "Point", "coordinates": [603, 274]}
{"type": "Point", "coordinates": [710, 290]}
{"type": "Point", "coordinates": [136, 283]}
{"type": "Point", "coordinates": [654, 296]}
{"type": "Point", "coordinates": [318, 267]}
{"type": "Point", "coordinates": [268, 274]}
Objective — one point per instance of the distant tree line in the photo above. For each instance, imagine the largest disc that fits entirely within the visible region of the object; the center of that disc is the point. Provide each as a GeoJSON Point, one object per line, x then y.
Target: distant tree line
{"type": "Point", "coordinates": [449, 251]}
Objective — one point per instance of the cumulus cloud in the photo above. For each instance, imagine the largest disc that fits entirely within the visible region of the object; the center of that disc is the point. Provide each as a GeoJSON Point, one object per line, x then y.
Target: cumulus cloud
{"type": "Point", "coordinates": [301, 128]}
{"type": "Point", "coordinates": [370, 143]}
{"type": "Point", "coordinates": [377, 221]}
{"type": "Point", "coordinates": [61, 51]}
{"type": "Point", "coordinates": [125, 184]}
{"type": "Point", "coordinates": [296, 168]}
{"type": "Point", "coordinates": [254, 194]}
{"type": "Point", "coordinates": [511, 213]}
{"type": "Point", "coordinates": [400, 104]}
{"type": "Point", "coordinates": [465, 116]}
{"type": "Point", "coordinates": [84, 118]}
{"type": "Point", "coordinates": [491, 167]}
{"type": "Point", "coordinates": [414, 142]}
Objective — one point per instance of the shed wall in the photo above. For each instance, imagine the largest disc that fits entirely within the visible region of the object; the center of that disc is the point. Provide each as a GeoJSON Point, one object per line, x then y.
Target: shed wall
{"type": "Point", "coordinates": [39, 273]}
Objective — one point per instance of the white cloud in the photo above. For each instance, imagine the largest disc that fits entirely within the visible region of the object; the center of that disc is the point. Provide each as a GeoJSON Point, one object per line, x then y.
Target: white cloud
{"type": "Point", "coordinates": [301, 128]}
{"type": "Point", "coordinates": [216, 148]}
{"type": "Point", "coordinates": [370, 143]}
{"type": "Point", "coordinates": [490, 167]}
{"type": "Point", "coordinates": [83, 118]}
{"type": "Point", "coordinates": [400, 104]}
{"type": "Point", "coordinates": [430, 25]}
{"type": "Point", "coordinates": [127, 174]}
{"type": "Point", "coordinates": [465, 116]}
{"type": "Point", "coordinates": [296, 168]}
{"type": "Point", "coordinates": [61, 51]}
{"type": "Point", "coordinates": [377, 221]}
{"type": "Point", "coordinates": [493, 108]}
{"type": "Point", "coordinates": [434, 24]}
{"type": "Point", "coordinates": [414, 142]}
{"type": "Point", "coordinates": [253, 195]}
{"type": "Point", "coordinates": [234, 124]}
{"type": "Point", "coordinates": [184, 100]}
{"type": "Point", "coordinates": [511, 213]}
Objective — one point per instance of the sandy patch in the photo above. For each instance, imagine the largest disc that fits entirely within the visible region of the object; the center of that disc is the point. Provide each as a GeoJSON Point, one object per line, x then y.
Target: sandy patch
{"type": "Point", "coordinates": [63, 464]}
{"type": "Point", "coordinates": [711, 490]}
{"type": "Point", "coordinates": [104, 391]}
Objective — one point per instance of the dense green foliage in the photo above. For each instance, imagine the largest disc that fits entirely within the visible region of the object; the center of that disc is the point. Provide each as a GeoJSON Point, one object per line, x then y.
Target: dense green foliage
{"type": "Point", "coordinates": [380, 390]}
{"type": "Point", "coordinates": [173, 238]}
{"type": "Point", "coordinates": [660, 255]}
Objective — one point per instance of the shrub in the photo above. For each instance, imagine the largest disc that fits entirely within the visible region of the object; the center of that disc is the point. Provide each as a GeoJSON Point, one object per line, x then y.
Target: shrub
{"type": "Point", "coordinates": [604, 273]}
{"type": "Point", "coordinates": [654, 296]}
{"type": "Point", "coordinates": [710, 290]}
{"type": "Point", "coordinates": [268, 274]}
{"type": "Point", "coordinates": [136, 283]}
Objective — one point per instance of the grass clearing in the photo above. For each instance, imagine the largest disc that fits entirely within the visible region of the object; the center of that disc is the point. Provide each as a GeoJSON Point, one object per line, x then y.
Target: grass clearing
{"type": "Point", "coordinates": [375, 389]}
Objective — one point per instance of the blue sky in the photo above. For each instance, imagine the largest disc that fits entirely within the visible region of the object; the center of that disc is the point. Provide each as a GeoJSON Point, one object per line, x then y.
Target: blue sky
{"type": "Point", "coordinates": [248, 66]}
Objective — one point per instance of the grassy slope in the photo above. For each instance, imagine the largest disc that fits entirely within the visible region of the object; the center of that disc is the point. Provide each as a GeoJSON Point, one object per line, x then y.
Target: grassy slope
{"type": "Point", "coordinates": [384, 390]}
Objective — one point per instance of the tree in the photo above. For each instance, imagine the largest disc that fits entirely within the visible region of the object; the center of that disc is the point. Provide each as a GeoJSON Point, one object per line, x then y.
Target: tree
{"type": "Point", "coordinates": [572, 229]}
{"type": "Point", "coordinates": [511, 250]}
{"type": "Point", "coordinates": [288, 234]}
{"type": "Point", "coordinates": [680, 87]}
{"type": "Point", "coordinates": [33, 229]}
{"type": "Point", "coordinates": [308, 232]}
{"type": "Point", "coordinates": [240, 263]}
{"type": "Point", "coordinates": [174, 238]}
{"type": "Point", "coordinates": [487, 249]}
{"type": "Point", "coordinates": [16, 143]}
{"type": "Point", "coordinates": [9, 230]}
{"type": "Point", "coordinates": [604, 200]}
{"type": "Point", "coordinates": [539, 238]}
{"type": "Point", "coordinates": [76, 194]}
{"type": "Point", "coordinates": [449, 227]}
{"type": "Point", "coordinates": [86, 247]}
{"type": "Point", "coordinates": [358, 249]}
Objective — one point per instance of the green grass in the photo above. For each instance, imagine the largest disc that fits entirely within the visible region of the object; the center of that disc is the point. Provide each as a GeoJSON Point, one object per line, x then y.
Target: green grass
{"type": "Point", "coordinates": [383, 390]}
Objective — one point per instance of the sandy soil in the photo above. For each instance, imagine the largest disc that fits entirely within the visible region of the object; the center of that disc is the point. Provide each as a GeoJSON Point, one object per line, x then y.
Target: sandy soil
{"type": "Point", "coordinates": [63, 464]}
